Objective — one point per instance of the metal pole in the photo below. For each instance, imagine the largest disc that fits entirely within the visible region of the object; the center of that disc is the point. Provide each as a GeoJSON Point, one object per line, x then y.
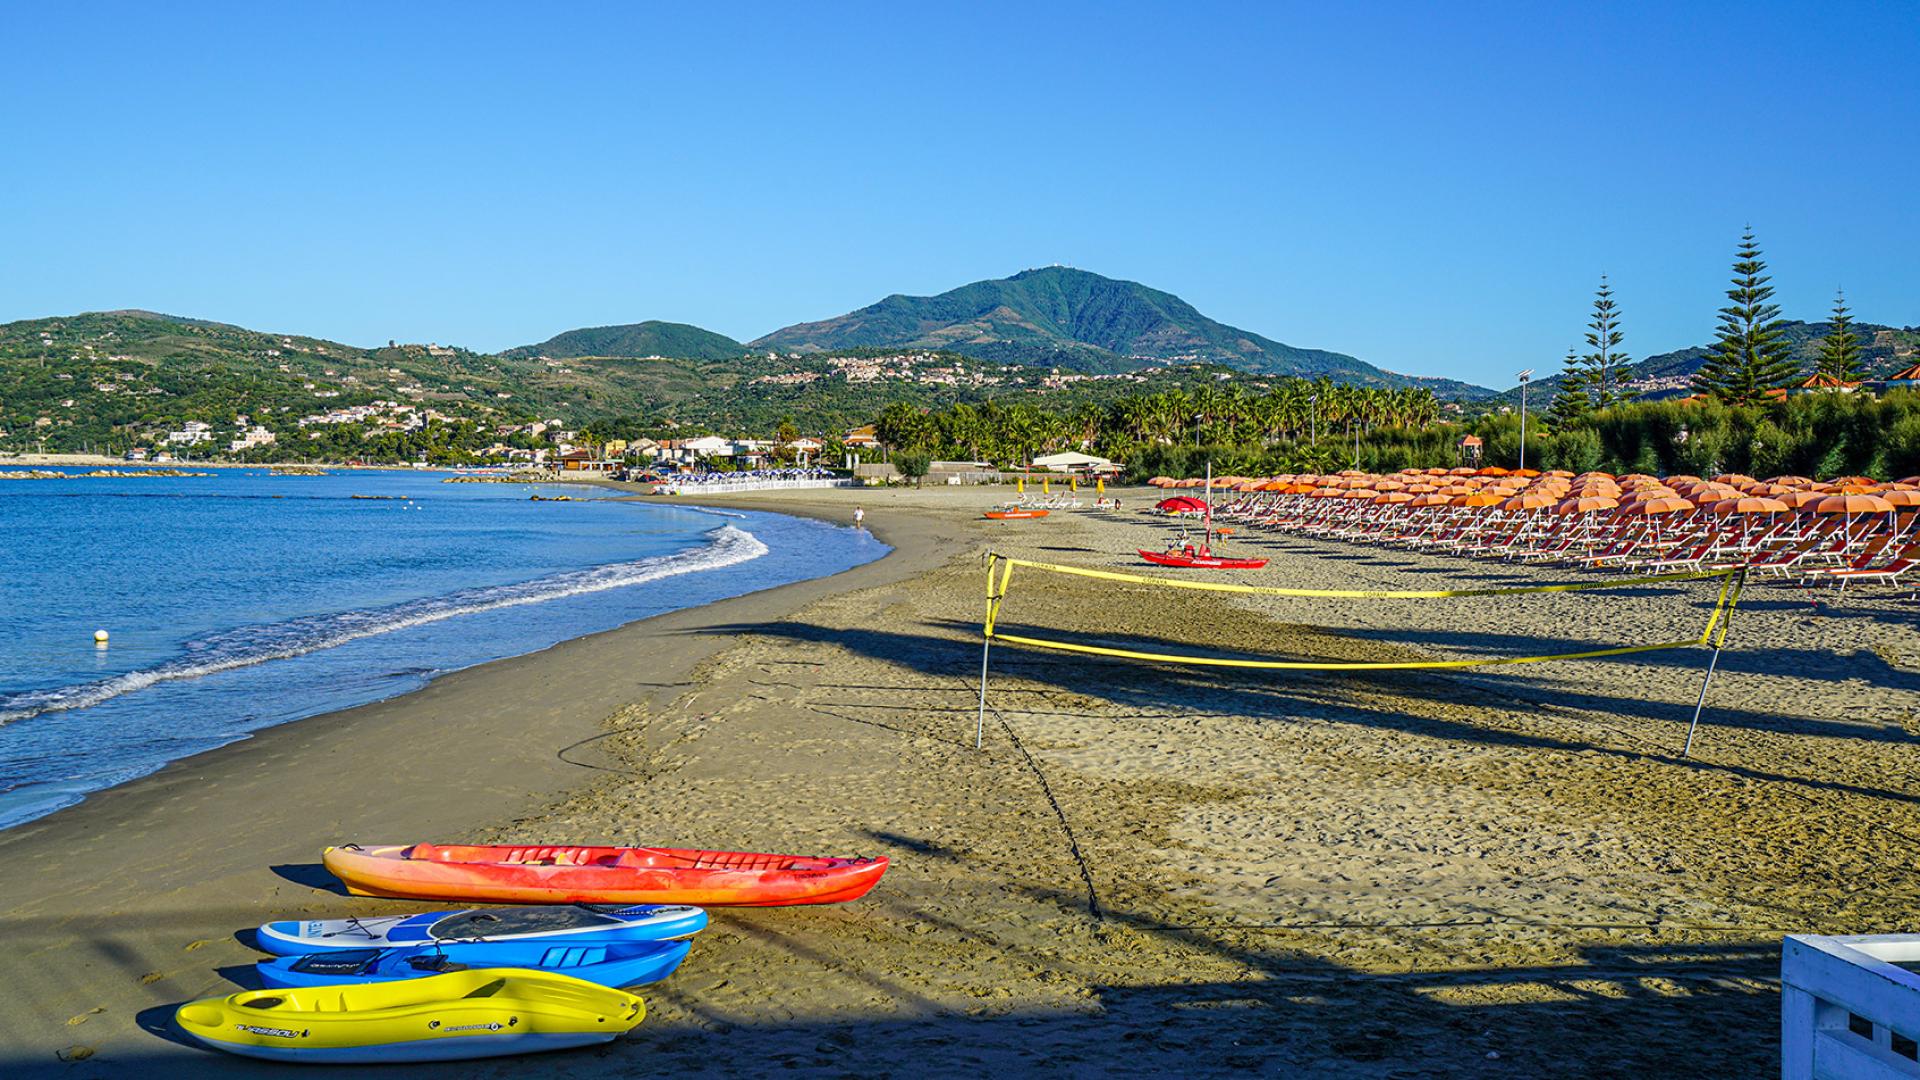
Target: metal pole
{"type": "Point", "coordinates": [980, 724]}
{"type": "Point", "coordinates": [1523, 421]}
{"type": "Point", "coordinates": [1687, 750]}
{"type": "Point", "coordinates": [1732, 598]}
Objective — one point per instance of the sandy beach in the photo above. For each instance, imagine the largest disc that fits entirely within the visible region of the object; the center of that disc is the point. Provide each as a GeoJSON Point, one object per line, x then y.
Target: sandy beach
{"type": "Point", "coordinates": [1498, 871]}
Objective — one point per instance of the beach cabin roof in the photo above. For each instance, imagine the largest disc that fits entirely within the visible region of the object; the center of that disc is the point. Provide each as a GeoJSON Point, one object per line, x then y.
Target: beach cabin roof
{"type": "Point", "coordinates": [1070, 460]}
{"type": "Point", "coordinates": [1820, 380]}
{"type": "Point", "coordinates": [1912, 374]}
{"type": "Point", "coordinates": [861, 436]}
{"type": "Point", "coordinates": [1471, 440]}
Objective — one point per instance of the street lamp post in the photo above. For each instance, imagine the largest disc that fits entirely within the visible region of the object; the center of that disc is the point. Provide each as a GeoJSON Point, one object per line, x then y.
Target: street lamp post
{"type": "Point", "coordinates": [1313, 417]}
{"type": "Point", "coordinates": [1524, 376]}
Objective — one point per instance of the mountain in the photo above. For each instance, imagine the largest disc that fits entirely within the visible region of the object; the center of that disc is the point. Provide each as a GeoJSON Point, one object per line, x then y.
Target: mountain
{"type": "Point", "coordinates": [1883, 351]}
{"type": "Point", "coordinates": [115, 380]}
{"type": "Point", "coordinates": [653, 338]}
{"type": "Point", "coordinates": [1062, 317]}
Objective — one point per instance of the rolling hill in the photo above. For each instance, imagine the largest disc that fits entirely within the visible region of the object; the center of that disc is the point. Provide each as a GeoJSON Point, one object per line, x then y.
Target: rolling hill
{"type": "Point", "coordinates": [651, 339]}
{"type": "Point", "coordinates": [1062, 317]}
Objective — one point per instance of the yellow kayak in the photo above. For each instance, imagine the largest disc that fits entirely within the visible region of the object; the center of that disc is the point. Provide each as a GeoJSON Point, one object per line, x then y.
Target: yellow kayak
{"type": "Point", "coordinates": [465, 1014]}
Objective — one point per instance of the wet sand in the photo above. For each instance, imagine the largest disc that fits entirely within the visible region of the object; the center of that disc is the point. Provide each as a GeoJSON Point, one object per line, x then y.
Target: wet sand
{"type": "Point", "coordinates": [1160, 870]}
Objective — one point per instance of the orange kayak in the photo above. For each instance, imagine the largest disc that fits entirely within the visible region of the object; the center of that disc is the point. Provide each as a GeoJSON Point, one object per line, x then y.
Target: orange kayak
{"type": "Point", "coordinates": [575, 874]}
{"type": "Point", "coordinates": [1014, 515]}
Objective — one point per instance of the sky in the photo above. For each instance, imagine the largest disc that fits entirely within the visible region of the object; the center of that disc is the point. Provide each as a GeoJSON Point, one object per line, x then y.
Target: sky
{"type": "Point", "coordinates": [1435, 188]}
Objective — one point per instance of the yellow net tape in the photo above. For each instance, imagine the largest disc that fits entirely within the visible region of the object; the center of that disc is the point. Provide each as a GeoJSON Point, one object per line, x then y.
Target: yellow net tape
{"type": "Point", "coordinates": [1731, 582]}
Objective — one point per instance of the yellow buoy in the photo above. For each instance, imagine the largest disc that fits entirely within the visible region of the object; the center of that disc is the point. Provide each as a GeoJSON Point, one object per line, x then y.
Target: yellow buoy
{"type": "Point", "coordinates": [100, 636]}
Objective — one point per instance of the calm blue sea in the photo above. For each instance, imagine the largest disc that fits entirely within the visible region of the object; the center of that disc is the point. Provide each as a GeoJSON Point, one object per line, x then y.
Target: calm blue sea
{"type": "Point", "coordinates": [242, 600]}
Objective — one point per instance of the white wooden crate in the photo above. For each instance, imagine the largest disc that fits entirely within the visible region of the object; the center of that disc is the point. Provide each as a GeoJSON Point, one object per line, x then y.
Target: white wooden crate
{"type": "Point", "coordinates": [1847, 1010]}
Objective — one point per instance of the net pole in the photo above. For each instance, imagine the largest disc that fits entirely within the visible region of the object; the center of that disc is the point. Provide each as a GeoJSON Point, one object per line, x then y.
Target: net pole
{"type": "Point", "coordinates": [1687, 750]}
{"type": "Point", "coordinates": [980, 722]}
{"type": "Point", "coordinates": [1730, 595]}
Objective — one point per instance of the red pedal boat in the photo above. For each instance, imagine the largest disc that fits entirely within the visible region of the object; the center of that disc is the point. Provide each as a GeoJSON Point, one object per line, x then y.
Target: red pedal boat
{"type": "Point", "coordinates": [577, 874]}
{"type": "Point", "coordinates": [1201, 558]}
{"type": "Point", "coordinates": [1182, 552]}
{"type": "Point", "coordinates": [1011, 515]}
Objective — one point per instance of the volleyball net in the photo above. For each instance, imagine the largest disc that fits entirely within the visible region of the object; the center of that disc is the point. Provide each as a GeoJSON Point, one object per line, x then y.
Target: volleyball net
{"type": "Point", "coordinates": [1001, 577]}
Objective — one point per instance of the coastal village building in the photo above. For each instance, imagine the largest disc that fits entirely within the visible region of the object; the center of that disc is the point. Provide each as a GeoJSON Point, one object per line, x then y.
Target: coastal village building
{"type": "Point", "coordinates": [1822, 383]}
{"type": "Point", "coordinates": [1908, 379]}
{"type": "Point", "coordinates": [250, 438]}
{"type": "Point", "coordinates": [191, 433]}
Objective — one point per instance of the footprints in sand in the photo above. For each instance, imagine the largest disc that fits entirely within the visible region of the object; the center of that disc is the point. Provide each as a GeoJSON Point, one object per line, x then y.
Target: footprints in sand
{"type": "Point", "coordinates": [76, 1021]}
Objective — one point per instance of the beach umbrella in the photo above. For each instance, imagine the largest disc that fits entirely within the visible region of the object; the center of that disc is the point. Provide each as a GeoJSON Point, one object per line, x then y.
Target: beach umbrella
{"type": "Point", "coordinates": [1801, 500]}
{"type": "Point", "coordinates": [1852, 504]}
{"type": "Point", "coordinates": [1856, 489]}
{"type": "Point", "coordinates": [1389, 485]}
{"type": "Point", "coordinates": [1664, 504]}
{"type": "Point", "coordinates": [1844, 481]}
{"type": "Point", "coordinates": [1560, 473]}
{"type": "Point", "coordinates": [1432, 499]}
{"type": "Point", "coordinates": [1585, 504]}
{"type": "Point", "coordinates": [1736, 479]}
{"type": "Point", "coordinates": [1790, 481]}
{"type": "Point", "coordinates": [1528, 501]}
{"type": "Point", "coordinates": [1421, 489]}
{"type": "Point", "coordinates": [1477, 499]}
{"type": "Point", "coordinates": [1491, 470]}
{"type": "Point", "coordinates": [1748, 504]}
{"type": "Point", "coordinates": [1390, 498]}
{"type": "Point", "coordinates": [1525, 474]}
{"type": "Point", "coordinates": [1325, 493]}
{"type": "Point", "coordinates": [1462, 471]}
{"type": "Point", "coordinates": [1902, 498]}
{"type": "Point", "coordinates": [1358, 493]}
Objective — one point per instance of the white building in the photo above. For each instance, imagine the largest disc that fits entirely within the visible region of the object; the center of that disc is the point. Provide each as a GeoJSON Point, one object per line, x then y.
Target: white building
{"type": "Point", "coordinates": [191, 433]}
{"type": "Point", "coordinates": [250, 438]}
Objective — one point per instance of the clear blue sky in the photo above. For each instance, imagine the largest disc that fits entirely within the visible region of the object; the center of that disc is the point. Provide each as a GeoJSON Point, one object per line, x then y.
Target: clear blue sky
{"type": "Point", "coordinates": [1435, 188]}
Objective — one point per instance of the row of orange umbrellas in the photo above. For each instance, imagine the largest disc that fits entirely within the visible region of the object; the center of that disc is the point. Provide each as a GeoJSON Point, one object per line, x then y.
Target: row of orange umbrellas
{"type": "Point", "coordinates": [1567, 493]}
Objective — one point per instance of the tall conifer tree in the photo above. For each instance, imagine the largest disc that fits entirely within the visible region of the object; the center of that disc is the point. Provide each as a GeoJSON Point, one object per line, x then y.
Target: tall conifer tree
{"type": "Point", "coordinates": [1606, 364]}
{"type": "Point", "coordinates": [1573, 401]}
{"type": "Point", "coordinates": [1751, 355]}
{"type": "Point", "coordinates": [1840, 349]}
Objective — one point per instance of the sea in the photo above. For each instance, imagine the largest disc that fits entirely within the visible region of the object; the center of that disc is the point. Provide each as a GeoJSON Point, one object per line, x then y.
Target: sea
{"type": "Point", "coordinates": [241, 600]}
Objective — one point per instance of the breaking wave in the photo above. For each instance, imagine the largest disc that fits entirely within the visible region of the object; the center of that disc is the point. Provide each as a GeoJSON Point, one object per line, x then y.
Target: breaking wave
{"type": "Point", "coordinates": [249, 645]}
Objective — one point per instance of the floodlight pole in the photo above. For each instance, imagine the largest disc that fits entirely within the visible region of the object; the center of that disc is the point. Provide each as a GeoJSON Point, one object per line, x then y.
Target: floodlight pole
{"type": "Point", "coordinates": [1524, 376]}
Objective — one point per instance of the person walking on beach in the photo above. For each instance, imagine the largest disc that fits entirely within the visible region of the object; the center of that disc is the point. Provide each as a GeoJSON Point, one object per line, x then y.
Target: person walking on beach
{"type": "Point", "coordinates": [859, 516]}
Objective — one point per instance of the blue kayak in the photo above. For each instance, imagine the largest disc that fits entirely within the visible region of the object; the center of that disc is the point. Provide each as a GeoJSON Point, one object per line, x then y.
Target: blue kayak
{"type": "Point", "coordinates": [547, 925]}
{"type": "Point", "coordinates": [613, 964]}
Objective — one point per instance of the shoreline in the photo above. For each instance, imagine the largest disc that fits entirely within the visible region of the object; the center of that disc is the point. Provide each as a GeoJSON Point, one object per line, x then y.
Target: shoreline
{"type": "Point", "coordinates": [33, 796]}
{"type": "Point", "coordinates": [146, 883]}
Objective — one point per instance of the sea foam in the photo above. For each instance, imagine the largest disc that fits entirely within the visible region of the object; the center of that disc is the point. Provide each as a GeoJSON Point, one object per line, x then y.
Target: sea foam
{"type": "Point", "coordinates": [248, 645]}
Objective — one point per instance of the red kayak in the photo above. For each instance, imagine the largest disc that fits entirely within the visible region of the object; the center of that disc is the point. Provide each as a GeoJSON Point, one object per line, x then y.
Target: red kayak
{"type": "Point", "coordinates": [1192, 559]}
{"type": "Point", "coordinates": [576, 874]}
{"type": "Point", "coordinates": [1011, 515]}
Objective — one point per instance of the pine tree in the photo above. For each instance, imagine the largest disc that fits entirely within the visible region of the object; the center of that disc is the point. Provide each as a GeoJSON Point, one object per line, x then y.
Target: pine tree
{"type": "Point", "coordinates": [1606, 365]}
{"type": "Point", "coordinates": [1840, 349]}
{"type": "Point", "coordinates": [1573, 400]}
{"type": "Point", "coordinates": [1751, 355]}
